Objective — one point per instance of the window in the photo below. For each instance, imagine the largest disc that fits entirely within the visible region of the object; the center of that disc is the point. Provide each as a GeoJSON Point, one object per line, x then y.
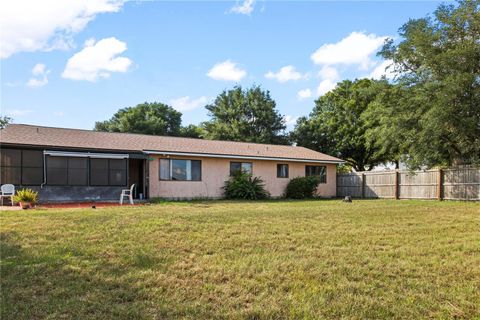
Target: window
{"type": "Point", "coordinates": [180, 170]}
{"type": "Point", "coordinates": [243, 166]}
{"type": "Point", "coordinates": [282, 170]}
{"type": "Point", "coordinates": [165, 169]}
{"type": "Point", "coordinates": [319, 171]}
{"type": "Point", "coordinates": [108, 172]}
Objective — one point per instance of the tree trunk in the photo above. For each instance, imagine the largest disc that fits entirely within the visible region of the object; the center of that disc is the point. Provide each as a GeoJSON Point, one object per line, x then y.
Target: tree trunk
{"type": "Point", "coordinates": [359, 167]}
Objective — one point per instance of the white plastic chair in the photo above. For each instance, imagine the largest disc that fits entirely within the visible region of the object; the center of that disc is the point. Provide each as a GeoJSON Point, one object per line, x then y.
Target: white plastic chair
{"type": "Point", "coordinates": [8, 191]}
{"type": "Point", "coordinates": [127, 193]}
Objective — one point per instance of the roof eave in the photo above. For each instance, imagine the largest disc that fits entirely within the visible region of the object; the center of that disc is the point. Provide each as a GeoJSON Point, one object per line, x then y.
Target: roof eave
{"type": "Point", "coordinates": [233, 156]}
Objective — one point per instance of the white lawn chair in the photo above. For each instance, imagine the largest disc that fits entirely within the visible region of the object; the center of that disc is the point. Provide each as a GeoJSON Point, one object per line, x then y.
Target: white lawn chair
{"type": "Point", "coordinates": [7, 191]}
{"type": "Point", "coordinates": [127, 193]}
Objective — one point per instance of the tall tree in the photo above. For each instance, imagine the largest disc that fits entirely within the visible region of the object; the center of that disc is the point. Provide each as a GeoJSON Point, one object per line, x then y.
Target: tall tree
{"type": "Point", "coordinates": [192, 131]}
{"type": "Point", "coordinates": [147, 118]}
{"type": "Point", "coordinates": [245, 115]}
{"type": "Point", "coordinates": [5, 121]}
{"type": "Point", "coordinates": [437, 116]}
{"type": "Point", "coordinates": [338, 125]}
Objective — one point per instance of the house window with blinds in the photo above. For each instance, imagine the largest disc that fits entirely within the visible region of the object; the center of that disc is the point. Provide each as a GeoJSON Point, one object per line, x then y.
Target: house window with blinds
{"type": "Point", "coordinates": [180, 170]}
{"type": "Point", "coordinates": [282, 170]}
{"type": "Point", "coordinates": [245, 167]}
{"type": "Point", "coordinates": [317, 171]}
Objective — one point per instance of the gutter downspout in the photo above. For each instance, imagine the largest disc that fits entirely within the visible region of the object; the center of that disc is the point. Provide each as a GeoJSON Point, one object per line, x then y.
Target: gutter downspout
{"type": "Point", "coordinates": [44, 170]}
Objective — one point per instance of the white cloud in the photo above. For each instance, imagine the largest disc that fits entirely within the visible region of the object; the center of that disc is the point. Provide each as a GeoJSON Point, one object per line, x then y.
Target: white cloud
{"type": "Point", "coordinates": [59, 113]}
{"type": "Point", "coordinates": [325, 86]}
{"type": "Point", "coordinates": [13, 83]}
{"type": "Point", "coordinates": [97, 60]}
{"type": "Point", "coordinates": [244, 8]}
{"type": "Point", "coordinates": [39, 69]}
{"type": "Point", "coordinates": [328, 72]}
{"type": "Point", "coordinates": [32, 25]}
{"type": "Point", "coordinates": [36, 83]}
{"type": "Point", "coordinates": [384, 68]}
{"type": "Point", "coordinates": [19, 112]}
{"type": "Point", "coordinates": [290, 120]}
{"type": "Point", "coordinates": [39, 78]}
{"type": "Point", "coordinates": [330, 77]}
{"type": "Point", "coordinates": [304, 94]}
{"type": "Point", "coordinates": [227, 71]}
{"type": "Point", "coordinates": [285, 74]}
{"type": "Point", "coordinates": [186, 103]}
{"type": "Point", "coordinates": [356, 48]}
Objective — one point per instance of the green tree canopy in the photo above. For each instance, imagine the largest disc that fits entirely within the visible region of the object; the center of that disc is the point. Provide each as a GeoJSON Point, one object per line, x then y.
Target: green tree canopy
{"type": "Point", "coordinates": [338, 125]}
{"type": "Point", "coordinates": [436, 117]}
{"type": "Point", "coordinates": [245, 115]}
{"type": "Point", "coordinates": [192, 131]}
{"type": "Point", "coordinates": [146, 118]}
{"type": "Point", "coordinates": [4, 121]}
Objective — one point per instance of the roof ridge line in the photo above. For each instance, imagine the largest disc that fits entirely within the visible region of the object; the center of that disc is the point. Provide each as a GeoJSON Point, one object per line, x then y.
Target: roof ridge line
{"type": "Point", "coordinates": [153, 135]}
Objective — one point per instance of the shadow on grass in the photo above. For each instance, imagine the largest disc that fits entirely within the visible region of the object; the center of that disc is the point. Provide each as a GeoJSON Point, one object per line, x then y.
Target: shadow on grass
{"type": "Point", "coordinates": [48, 286]}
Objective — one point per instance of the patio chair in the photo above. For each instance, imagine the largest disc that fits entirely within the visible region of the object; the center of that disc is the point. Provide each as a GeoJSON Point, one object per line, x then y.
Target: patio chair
{"type": "Point", "coordinates": [127, 193]}
{"type": "Point", "coordinates": [7, 191]}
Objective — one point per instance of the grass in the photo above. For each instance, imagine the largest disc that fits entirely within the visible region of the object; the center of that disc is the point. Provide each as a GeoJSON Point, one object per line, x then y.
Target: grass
{"type": "Point", "coordinates": [250, 260]}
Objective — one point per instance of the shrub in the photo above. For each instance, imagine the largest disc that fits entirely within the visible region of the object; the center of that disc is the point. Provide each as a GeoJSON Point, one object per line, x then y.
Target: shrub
{"type": "Point", "coordinates": [243, 186]}
{"type": "Point", "coordinates": [302, 188]}
{"type": "Point", "coordinates": [26, 195]}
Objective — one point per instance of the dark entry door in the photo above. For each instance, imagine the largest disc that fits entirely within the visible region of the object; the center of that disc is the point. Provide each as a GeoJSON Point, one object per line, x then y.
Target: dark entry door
{"type": "Point", "coordinates": [135, 175]}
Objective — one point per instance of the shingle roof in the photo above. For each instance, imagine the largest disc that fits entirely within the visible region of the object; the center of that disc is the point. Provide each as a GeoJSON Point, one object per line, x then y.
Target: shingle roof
{"type": "Point", "coordinates": [20, 134]}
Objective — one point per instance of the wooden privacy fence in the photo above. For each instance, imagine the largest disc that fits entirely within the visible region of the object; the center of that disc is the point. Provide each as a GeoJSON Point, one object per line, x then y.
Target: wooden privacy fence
{"type": "Point", "coordinates": [450, 184]}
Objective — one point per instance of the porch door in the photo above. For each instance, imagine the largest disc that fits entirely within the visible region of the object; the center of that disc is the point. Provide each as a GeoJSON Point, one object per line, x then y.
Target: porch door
{"type": "Point", "coordinates": [136, 175]}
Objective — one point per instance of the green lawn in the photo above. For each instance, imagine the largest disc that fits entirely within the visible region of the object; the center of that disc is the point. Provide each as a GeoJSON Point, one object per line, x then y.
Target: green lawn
{"type": "Point", "coordinates": [253, 260]}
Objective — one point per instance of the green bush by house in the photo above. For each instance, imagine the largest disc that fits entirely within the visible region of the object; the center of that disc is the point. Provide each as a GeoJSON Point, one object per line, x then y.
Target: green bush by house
{"type": "Point", "coordinates": [301, 188]}
{"type": "Point", "coordinates": [243, 186]}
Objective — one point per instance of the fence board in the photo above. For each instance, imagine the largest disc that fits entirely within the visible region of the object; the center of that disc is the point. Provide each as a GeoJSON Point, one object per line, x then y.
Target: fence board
{"type": "Point", "coordinates": [380, 185]}
{"type": "Point", "coordinates": [451, 184]}
{"type": "Point", "coordinates": [418, 185]}
{"type": "Point", "coordinates": [461, 184]}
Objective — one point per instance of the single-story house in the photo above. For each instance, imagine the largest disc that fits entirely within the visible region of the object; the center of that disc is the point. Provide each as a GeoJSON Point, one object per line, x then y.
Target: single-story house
{"type": "Point", "coordinates": [83, 165]}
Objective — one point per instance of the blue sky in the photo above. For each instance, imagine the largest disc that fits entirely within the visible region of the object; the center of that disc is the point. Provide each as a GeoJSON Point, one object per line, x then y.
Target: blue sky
{"type": "Point", "coordinates": [71, 65]}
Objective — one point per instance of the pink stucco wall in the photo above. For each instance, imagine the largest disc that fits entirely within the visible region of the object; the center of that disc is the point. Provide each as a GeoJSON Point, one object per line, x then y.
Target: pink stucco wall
{"type": "Point", "coordinates": [215, 171]}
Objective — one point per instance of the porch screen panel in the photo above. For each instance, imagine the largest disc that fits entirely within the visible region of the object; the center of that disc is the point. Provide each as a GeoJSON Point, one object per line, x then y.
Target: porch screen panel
{"type": "Point", "coordinates": [32, 167]}
{"type": "Point", "coordinates": [108, 172]}
{"type": "Point", "coordinates": [57, 171]}
{"type": "Point", "coordinates": [77, 171]}
{"type": "Point", "coordinates": [10, 162]}
{"type": "Point", "coordinates": [117, 173]}
{"type": "Point", "coordinates": [99, 172]}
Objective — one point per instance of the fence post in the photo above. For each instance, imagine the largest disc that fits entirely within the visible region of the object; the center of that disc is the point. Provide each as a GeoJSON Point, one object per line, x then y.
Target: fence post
{"type": "Point", "coordinates": [397, 189]}
{"type": "Point", "coordinates": [440, 185]}
{"type": "Point", "coordinates": [363, 185]}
